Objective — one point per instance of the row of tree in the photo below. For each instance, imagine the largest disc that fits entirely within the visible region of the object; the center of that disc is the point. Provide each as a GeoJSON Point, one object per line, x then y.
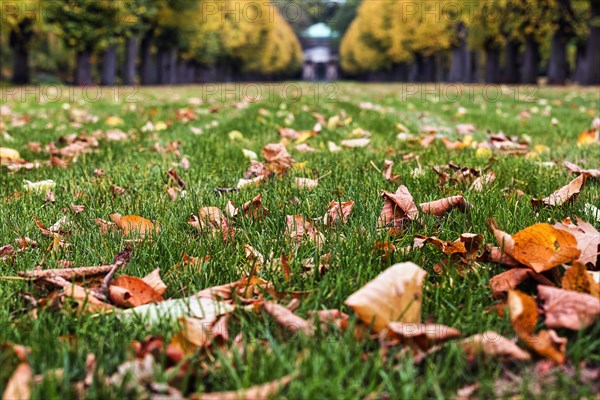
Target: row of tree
{"type": "Point", "coordinates": [152, 41]}
{"type": "Point", "coordinates": [498, 41]}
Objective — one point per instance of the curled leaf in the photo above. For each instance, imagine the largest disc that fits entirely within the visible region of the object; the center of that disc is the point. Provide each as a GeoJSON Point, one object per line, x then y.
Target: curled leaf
{"type": "Point", "coordinates": [441, 207]}
{"type": "Point", "coordinates": [568, 309]}
{"type": "Point", "coordinates": [567, 193]}
{"type": "Point", "coordinates": [398, 208]}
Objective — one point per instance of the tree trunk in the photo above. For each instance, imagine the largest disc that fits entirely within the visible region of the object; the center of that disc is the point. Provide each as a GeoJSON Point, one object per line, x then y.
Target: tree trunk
{"type": "Point", "coordinates": [147, 67]}
{"type": "Point", "coordinates": [511, 62]}
{"type": "Point", "coordinates": [20, 72]}
{"type": "Point", "coordinates": [18, 42]}
{"type": "Point", "coordinates": [558, 66]}
{"type": "Point", "coordinates": [167, 66]}
{"type": "Point", "coordinates": [460, 60]}
{"type": "Point", "coordinates": [83, 70]}
{"type": "Point", "coordinates": [131, 50]}
{"type": "Point", "coordinates": [492, 65]}
{"type": "Point", "coordinates": [592, 70]}
{"type": "Point", "coordinates": [109, 66]}
{"type": "Point", "coordinates": [580, 75]}
{"type": "Point", "coordinates": [531, 60]}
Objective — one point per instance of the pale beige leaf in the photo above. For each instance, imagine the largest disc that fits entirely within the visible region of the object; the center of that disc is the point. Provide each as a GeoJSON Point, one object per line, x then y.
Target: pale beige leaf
{"type": "Point", "coordinates": [19, 384]}
{"type": "Point", "coordinates": [492, 344]}
{"type": "Point", "coordinates": [153, 279]}
{"type": "Point", "coordinates": [394, 295]}
{"type": "Point", "coordinates": [286, 318]}
{"type": "Point", "coordinates": [587, 237]}
{"type": "Point", "coordinates": [258, 392]}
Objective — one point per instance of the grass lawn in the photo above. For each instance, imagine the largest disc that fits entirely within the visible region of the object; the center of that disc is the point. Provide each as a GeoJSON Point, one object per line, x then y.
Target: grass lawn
{"type": "Point", "coordinates": [332, 364]}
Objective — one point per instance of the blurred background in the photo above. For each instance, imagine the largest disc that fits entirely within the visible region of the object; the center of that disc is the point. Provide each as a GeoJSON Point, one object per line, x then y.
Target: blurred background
{"type": "Point", "coordinates": [166, 42]}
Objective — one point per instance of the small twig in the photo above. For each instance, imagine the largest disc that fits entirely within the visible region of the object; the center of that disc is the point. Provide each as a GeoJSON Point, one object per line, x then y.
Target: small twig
{"type": "Point", "coordinates": [324, 176]}
{"type": "Point", "coordinates": [77, 273]}
{"type": "Point", "coordinates": [120, 259]}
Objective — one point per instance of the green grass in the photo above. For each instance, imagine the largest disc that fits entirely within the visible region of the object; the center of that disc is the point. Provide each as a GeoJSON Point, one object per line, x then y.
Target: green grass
{"type": "Point", "coordinates": [333, 365]}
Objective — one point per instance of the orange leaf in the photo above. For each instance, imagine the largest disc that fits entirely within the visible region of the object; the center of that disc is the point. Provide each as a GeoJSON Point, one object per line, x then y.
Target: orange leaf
{"type": "Point", "coordinates": [540, 247]}
{"type": "Point", "coordinates": [129, 291]}
{"type": "Point", "coordinates": [134, 225]}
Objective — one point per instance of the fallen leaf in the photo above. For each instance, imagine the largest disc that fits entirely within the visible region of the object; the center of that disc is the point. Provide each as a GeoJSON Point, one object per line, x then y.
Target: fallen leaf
{"type": "Point", "coordinates": [422, 335]}
{"type": "Point", "coordinates": [492, 344]}
{"type": "Point", "coordinates": [398, 208]}
{"type": "Point", "coordinates": [134, 225]}
{"type": "Point", "coordinates": [448, 248]}
{"type": "Point", "coordinates": [441, 207]}
{"type": "Point", "coordinates": [568, 309]}
{"type": "Point", "coordinates": [278, 159]}
{"type": "Point", "coordinates": [305, 183]}
{"type": "Point", "coordinates": [338, 212]}
{"type": "Point", "coordinates": [153, 279]}
{"type": "Point", "coordinates": [389, 176]}
{"type": "Point", "coordinates": [258, 392]}
{"type": "Point", "coordinates": [589, 136]}
{"type": "Point", "coordinates": [129, 291]}
{"type": "Point", "coordinates": [578, 279]}
{"type": "Point", "coordinates": [297, 228]}
{"type": "Point", "coordinates": [38, 187]}
{"type": "Point", "coordinates": [394, 295]}
{"type": "Point", "coordinates": [524, 315]}
{"type": "Point", "coordinates": [354, 143]}
{"type": "Point", "coordinates": [563, 195]}
{"type": "Point", "coordinates": [540, 247]}
{"type": "Point", "coordinates": [255, 209]}
{"type": "Point", "coordinates": [587, 237]}
{"type": "Point", "coordinates": [19, 383]}
{"type": "Point", "coordinates": [576, 169]}
{"type": "Point", "coordinates": [78, 208]}
{"type": "Point", "coordinates": [512, 278]}
{"type": "Point", "coordinates": [286, 318]}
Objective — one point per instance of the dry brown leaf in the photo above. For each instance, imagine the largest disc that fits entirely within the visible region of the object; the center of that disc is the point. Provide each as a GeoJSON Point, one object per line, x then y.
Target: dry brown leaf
{"type": "Point", "coordinates": [78, 208]}
{"type": "Point", "coordinates": [441, 207]}
{"type": "Point", "coordinates": [278, 159]}
{"type": "Point", "coordinates": [568, 309]}
{"type": "Point", "coordinates": [286, 318]}
{"type": "Point", "coordinates": [258, 392]}
{"type": "Point", "coordinates": [212, 220]}
{"type": "Point", "coordinates": [389, 176]}
{"type": "Point", "coordinates": [134, 225]}
{"type": "Point", "coordinates": [153, 279]}
{"type": "Point", "coordinates": [483, 181]}
{"type": "Point", "coordinates": [338, 212]}
{"type": "Point", "coordinates": [297, 228]}
{"type": "Point", "coordinates": [563, 195]}
{"type": "Point", "coordinates": [255, 209]}
{"type": "Point", "coordinates": [492, 344]}
{"type": "Point", "coordinates": [512, 278]}
{"type": "Point", "coordinates": [129, 291]}
{"type": "Point", "coordinates": [19, 383]}
{"type": "Point", "coordinates": [394, 295]}
{"type": "Point", "coordinates": [494, 254]}
{"type": "Point", "coordinates": [422, 335]}
{"type": "Point", "coordinates": [576, 169]}
{"type": "Point", "coordinates": [398, 208]}
{"type": "Point", "coordinates": [289, 133]}
{"type": "Point", "coordinates": [588, 240]}
{"type": "Point", "coordinates": [540, 247]}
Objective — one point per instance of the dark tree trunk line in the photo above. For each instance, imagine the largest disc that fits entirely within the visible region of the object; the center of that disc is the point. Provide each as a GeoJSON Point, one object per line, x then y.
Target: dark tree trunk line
{"type": "Point", "coordinates": [511, 62]}
{"type": "Point", "coordinates": [166, 60]}
{"type": "Point", "coordinates": [592, 69]}
{"type": "Point", "coordinates": [83, 70]}
{"type": "Point", "coordinates": [19, 42]}
{"type": "Point", "coordinates": [109, 66]}
{"type": "Point", "coordinates": [492, 64]}
{"type": "Point", "coordinates": [147, 66]}
{"type": "Point", "coordinates": [558, 65]}
{"type": "Point", "coordinates": [531, 61]}
{"type": "Point", "coordinates": [131, 52]}
{"type": "Point", "coordinates": [460, 58]}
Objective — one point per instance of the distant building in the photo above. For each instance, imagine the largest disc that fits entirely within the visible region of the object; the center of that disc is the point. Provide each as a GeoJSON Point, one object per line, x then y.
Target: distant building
{"type": "Point", "coordinates": [321, 60]}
